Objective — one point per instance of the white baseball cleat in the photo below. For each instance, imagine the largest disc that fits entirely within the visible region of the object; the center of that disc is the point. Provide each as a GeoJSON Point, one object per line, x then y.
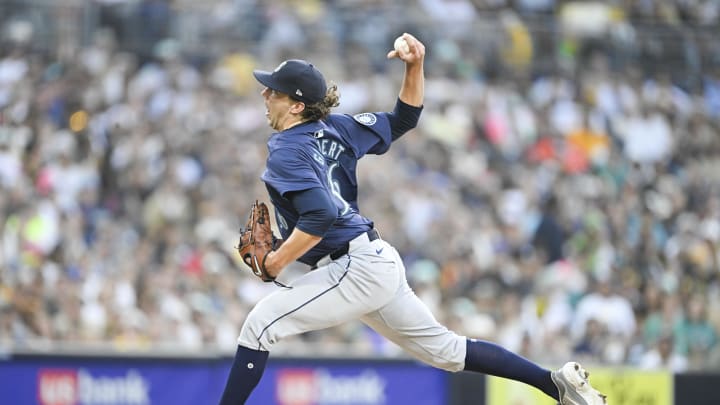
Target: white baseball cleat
{"type": "Point", "coordinates": [574, 387]}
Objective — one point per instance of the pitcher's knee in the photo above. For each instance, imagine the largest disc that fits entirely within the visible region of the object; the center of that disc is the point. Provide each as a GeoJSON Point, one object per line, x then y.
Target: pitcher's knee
{"type": "Point", "coordinates": [257, 332]}
{"type": "Point", "coordinates": [448, 355]}
{"type": "Point", "coordinates": [452, 365]}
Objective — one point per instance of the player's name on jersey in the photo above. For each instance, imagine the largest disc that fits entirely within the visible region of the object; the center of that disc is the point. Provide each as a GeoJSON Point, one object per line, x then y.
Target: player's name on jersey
{"type": "Point", "coordinates": [330, 148]}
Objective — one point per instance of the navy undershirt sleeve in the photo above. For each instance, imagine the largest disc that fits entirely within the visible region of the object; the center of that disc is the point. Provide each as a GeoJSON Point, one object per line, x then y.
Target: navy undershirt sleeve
{"type": "Point", "coordinates": [317, 210]}
{"type": "Point", "coordinates": [403, 118]}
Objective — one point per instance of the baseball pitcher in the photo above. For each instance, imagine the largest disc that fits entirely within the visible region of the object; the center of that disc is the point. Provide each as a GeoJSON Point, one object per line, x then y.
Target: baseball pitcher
{"type": "Point", "coordinates": [311, 181]}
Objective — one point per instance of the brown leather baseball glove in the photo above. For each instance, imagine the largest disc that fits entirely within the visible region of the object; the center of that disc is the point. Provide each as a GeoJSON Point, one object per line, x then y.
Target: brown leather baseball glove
{"type": "Point", "coordinates": [257, 240]}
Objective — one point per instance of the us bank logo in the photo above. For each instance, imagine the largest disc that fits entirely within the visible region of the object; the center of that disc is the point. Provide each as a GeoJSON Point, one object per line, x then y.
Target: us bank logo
{"type": "Point", "coordinates": [310, 386]}
{"type": "Point", "coordinates": [80, 387]}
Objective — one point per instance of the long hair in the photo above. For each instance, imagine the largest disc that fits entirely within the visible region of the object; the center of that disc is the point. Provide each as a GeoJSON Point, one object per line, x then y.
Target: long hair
{"type": "Point", "coordinates": [321, 109]}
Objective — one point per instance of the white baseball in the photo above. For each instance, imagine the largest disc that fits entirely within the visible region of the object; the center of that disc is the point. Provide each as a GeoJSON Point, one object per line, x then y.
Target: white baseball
{"type": "Point", "coordinates": [401, 45]}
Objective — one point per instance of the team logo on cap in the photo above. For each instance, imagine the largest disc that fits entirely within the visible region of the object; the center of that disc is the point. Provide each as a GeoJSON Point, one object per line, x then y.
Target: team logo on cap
{"type": "Point", "coordinates": [366, 118]}
{"type": "Point", "coordinates": [280, 66]}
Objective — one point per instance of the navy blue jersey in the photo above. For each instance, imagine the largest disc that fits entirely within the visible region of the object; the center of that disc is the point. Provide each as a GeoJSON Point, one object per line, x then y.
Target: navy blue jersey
{"type": "Point", "coordinates": [343, 140]}
{"type": "Point", "coordinates": [295, 163]}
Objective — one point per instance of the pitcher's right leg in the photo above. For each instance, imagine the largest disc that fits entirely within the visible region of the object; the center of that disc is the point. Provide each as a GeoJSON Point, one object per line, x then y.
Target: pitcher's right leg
{"type": "Point", "coordinates": [409, 323]}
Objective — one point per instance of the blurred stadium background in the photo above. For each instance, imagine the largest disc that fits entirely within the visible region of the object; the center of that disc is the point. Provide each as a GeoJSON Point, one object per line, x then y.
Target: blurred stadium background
{"type": "Point", "coordinates": [560, 195]}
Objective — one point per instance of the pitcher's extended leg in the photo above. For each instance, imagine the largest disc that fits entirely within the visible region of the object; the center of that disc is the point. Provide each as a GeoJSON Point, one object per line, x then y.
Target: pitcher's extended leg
{"type": "Point", "coordinates": [409, 323]}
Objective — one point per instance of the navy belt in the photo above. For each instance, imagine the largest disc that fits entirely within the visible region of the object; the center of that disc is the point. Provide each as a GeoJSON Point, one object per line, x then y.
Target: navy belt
{"type": "Point", "coordinates": [343, 250]}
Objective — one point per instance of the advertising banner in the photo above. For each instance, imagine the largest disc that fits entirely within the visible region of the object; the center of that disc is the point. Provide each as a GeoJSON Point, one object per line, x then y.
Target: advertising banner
{"type": "Point", "coordinates": [112, 382]}
{"type": "Point", "coordinates": [622, 386]}
{"type": "Point", "coordinates": [351, 384]}
{"type": "Point", "coordinates": [131, 381]}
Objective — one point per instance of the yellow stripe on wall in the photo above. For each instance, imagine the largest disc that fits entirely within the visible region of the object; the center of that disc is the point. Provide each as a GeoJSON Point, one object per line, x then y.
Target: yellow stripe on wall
{"type": "Point", "coordinates": [622, 386]}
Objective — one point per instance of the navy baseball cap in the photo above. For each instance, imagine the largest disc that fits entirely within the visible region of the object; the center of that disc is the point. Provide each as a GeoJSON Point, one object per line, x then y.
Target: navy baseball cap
{"type": "Point", "coordinates": [297, 78]}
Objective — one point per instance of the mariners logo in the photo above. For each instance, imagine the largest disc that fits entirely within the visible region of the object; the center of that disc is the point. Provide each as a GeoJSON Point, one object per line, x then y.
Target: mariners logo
{"type": "Point", "coordinates": [280, 66]}
{"type": "Point", "coordinates": [366, 118]}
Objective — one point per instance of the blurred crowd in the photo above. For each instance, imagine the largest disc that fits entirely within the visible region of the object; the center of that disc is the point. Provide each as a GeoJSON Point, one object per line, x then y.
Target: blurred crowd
{"type": "Point", "coordinates": [572, 212]}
